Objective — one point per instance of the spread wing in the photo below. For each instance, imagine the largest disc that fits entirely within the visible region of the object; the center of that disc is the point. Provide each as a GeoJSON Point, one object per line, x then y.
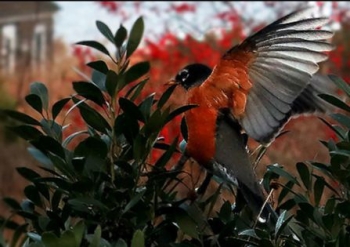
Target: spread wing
{"type": "Point", "coordinates": [279, 62]}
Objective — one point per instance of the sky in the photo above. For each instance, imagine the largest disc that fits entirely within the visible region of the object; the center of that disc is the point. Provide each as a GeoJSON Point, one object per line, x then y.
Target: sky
{"type": "Point", "coordinates": [76, 20]}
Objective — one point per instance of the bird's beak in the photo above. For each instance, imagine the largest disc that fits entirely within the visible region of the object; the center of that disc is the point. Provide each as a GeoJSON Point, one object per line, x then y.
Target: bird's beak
{"type": "Point", "coordinates": [171, 82]}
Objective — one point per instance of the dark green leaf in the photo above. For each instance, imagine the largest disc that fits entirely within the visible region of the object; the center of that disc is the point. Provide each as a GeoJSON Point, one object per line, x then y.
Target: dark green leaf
{"type": "Point", "coordinates": [146, 105]}
{"type": "Point", "coordinates": [340, 83]}
{"type": "Point", "coordinates": [95, 241]}
{"type": "Point", "coordinates": [112, 81]}
{"type": "Point", "coordinates": [99, 65]}
{"type": "Point", "coordinates": [72, 136]}
{"type": "Point", "coordinates": [34, 101]}
{"type": "Point", "coordinates": [179, 111]}
{"type": "Point", "coordinates": [279, 170]}
{"type": "Point", "coordinates": [56, 199]}
{"type": "Point", "coordinates": [166, 95]}
{"type": "Point", "coordinates": [134, 200]}
{"type": "Point", "coordinates": [32, 193]}
{"type": "Point", "coordinates": [92, 117]}
{"type": "Point", "coordinates": [58, 106]}
{"type": "Point", "coordinates": [335, 101]}
{"type": "Point", "coordinates": [89, 91]}
{"type": "Point", "coordinates": [304, 174]}
{"type": "Point", "coordinates": [40, 156]}
{"type": "Point", "coordinates": [342, 119]}
{"type": "Point", "coordinates": [78, 231]}
{"type": "Point", "coordinates": [318, 190]}
{"type": "Point", "coordinates": [127, 126]}
{"type": "Point", "coordinates": [339, 133]}
{"type": "Point", "coordinates": [138, 239]}
{"type": "Point", "coordinates": [40, 89]}
{"type": "Point", "coordinates": [135, 36]}
{"type": "Point", "coordinates": [104, 29]}
{"type": "Point", "coordinates": [21, 117]}
{"type": "Point", "coordinates": [131, 109]}
{"type": "Point", "coordinates": [136, 71]}
{"type": "Point", "coordinates": [136, 89]}
{"type": "Point", "coordinates": [184, 130]}
{"type": "Point", "coordinates": [52, 129]}
{"type": "Point", "coordinates": [91, 146]}
{"type": "Point", "coordinates": [121, 243]}
{"type": "Point", "coordinates": [12, 203]}
{"type": "Point", "coordinates": [120, 36]}
{"type": "Point", "coordinates": [27, 173]}
{"type": "Point", "coordinates": [96, 45]}
{"type": "Point", "coordinates": [285, 191]}
{"type": "Point", "coordinates": [47, 144]}
{"type": "Point", "coordinates": [166, 156]}
{"type": "Point", "coordinates": [43, 190]}
{"type": "Point", "coordinates": [99, 79]}
{"type": "Point", "coordinates": [26, 132]}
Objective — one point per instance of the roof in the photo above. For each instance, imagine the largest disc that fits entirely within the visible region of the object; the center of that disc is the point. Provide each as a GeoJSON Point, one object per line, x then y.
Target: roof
{"type": "Point", "coordinates": [21, 8]}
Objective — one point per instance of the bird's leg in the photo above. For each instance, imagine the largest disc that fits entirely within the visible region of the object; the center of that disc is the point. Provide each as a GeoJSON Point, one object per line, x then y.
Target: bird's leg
{"type": "Point", "coordinates": [201, 189]}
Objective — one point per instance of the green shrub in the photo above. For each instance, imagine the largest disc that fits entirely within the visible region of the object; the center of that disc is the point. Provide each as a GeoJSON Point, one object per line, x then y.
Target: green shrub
{"type": "Point", "coordinates": [104, 193]}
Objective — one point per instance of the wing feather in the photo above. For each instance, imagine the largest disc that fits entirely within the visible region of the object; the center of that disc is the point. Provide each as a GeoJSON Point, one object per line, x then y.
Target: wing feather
{"type": "Point", "coordinates": [280, 60]}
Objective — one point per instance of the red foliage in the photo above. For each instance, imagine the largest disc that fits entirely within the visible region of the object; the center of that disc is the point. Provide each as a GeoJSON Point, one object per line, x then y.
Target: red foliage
{"type": "Point", "coordinates": [183, 8]}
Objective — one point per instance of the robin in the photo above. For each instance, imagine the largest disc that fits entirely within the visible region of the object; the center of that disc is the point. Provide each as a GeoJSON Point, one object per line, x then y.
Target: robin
{"type": "Point", "coordinates": [254, 90]}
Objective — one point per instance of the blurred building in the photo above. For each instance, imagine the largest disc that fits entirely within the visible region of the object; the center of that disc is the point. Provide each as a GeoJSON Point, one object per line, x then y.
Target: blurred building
{"type": "Point", "coordinates": [26, 35]}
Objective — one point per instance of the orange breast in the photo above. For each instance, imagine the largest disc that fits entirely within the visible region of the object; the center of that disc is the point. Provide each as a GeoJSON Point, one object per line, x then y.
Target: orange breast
{"type": "Point", "coordinates": [201, 124]}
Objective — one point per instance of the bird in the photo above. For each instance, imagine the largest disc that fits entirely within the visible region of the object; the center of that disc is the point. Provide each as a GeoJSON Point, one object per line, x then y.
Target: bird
{"type": "Point", "coordinates": [254, 89]}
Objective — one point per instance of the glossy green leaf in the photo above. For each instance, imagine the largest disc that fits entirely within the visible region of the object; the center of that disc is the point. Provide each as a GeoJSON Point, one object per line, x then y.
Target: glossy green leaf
{"type": "Point", "coordinates": [179, 111]}
{"type": "Point", "coordinates": [52, 129]}
{"type": "Point", "coordinates": [78, 231]}
{"type": "Point", "coordinates": [136, 89]}
{"type": "Point", "coordinates": [40, 90]}
{"type": "Point", "coordinates": [39, 156]}
{"type": "Point", "coordinates": [131, 109]}
{"type": "Point", "coordinates": [166, 156]}
{"type": "Point", "coordinates": [136, 71]}
{"type": "Point", "coordinates": [99, 79]}
{"type": "Point", "coordinates": [21, 117]}
{"type": "Point", "coordinates": [89, 91]}
{"type": "Point", "coordinates": [280, 171]}
{"type": "Point", "coordinates": [134, 200]}
{"type": "Point", "coordinates": [12, 203]}
{"type": "Point", "coordinates": [72, 136]}
{"type": "Point", "coordinates": [56, 199]}
{"type": "Point", "coordinates": [47, 144]}
{"type": "Point", "coordinates": [26, 132]}
{"type": "Point", "coordinates": [91, 146]}
{"type": "Point", "coordinates": [104, 29]}
{"type": "Point", "coordinates": [135, 36]}
{"type": "Point", "coordinates": [28, 174]}
{"type": "Point", "coordinates": [342, 119]}
{"type": "Point", "coordinates": [304, 174]}
{"type": "Point", "coordinates": [94, 44]}
{"type": "Point", "coordinates": [335, 101]}
{"type": "Point", "coordinates": [340, 83]}
{"type": "Point", "coordinates": [146, 105]}
{"type": "Point", "coordinates": [165, 96]}
{"type": "Point", "coordinates": [121, 243]}
{"type": "Point", "coordinates": [58, 106]}
{"type": "Point", "coordinates": [282, 223]}
{"type": "Point", "coordinates": [112, 81]}
{"type": "Point", "coordinates": [318, 190]}
{"type": "Point", "coordinates": [285, 191]}
{"type": "Point", "coordinates": [92, 117]}
{"type": "Point", "coordinates": [120, 36]}
{"type": "Point", "coordinates": [98, 65]}
{"type": "Point", "coordinates": [138, 239]}
{"type": "Point", "coordinates": [127, 126]}
{"type": "Point", "coordinates": [35, 102]}
{"type": "Point", "coordinates": [95, 241]}
{"type": "Point", "coordinates": [32, 194]}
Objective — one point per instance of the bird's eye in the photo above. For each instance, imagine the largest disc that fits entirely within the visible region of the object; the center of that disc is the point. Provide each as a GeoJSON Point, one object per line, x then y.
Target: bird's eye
{"type": "Point", "coordinates": [184, 75]}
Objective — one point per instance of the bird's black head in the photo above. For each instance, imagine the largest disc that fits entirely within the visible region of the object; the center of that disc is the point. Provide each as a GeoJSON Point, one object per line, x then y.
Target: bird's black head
{"type": "Point", "coordinates": [192, 75]}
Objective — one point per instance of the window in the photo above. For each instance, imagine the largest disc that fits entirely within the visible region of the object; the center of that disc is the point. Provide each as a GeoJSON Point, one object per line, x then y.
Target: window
{"type": "Point", "coordinates": [8, 49]}
{"type": "Point", "coordinates": [39, 45]}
